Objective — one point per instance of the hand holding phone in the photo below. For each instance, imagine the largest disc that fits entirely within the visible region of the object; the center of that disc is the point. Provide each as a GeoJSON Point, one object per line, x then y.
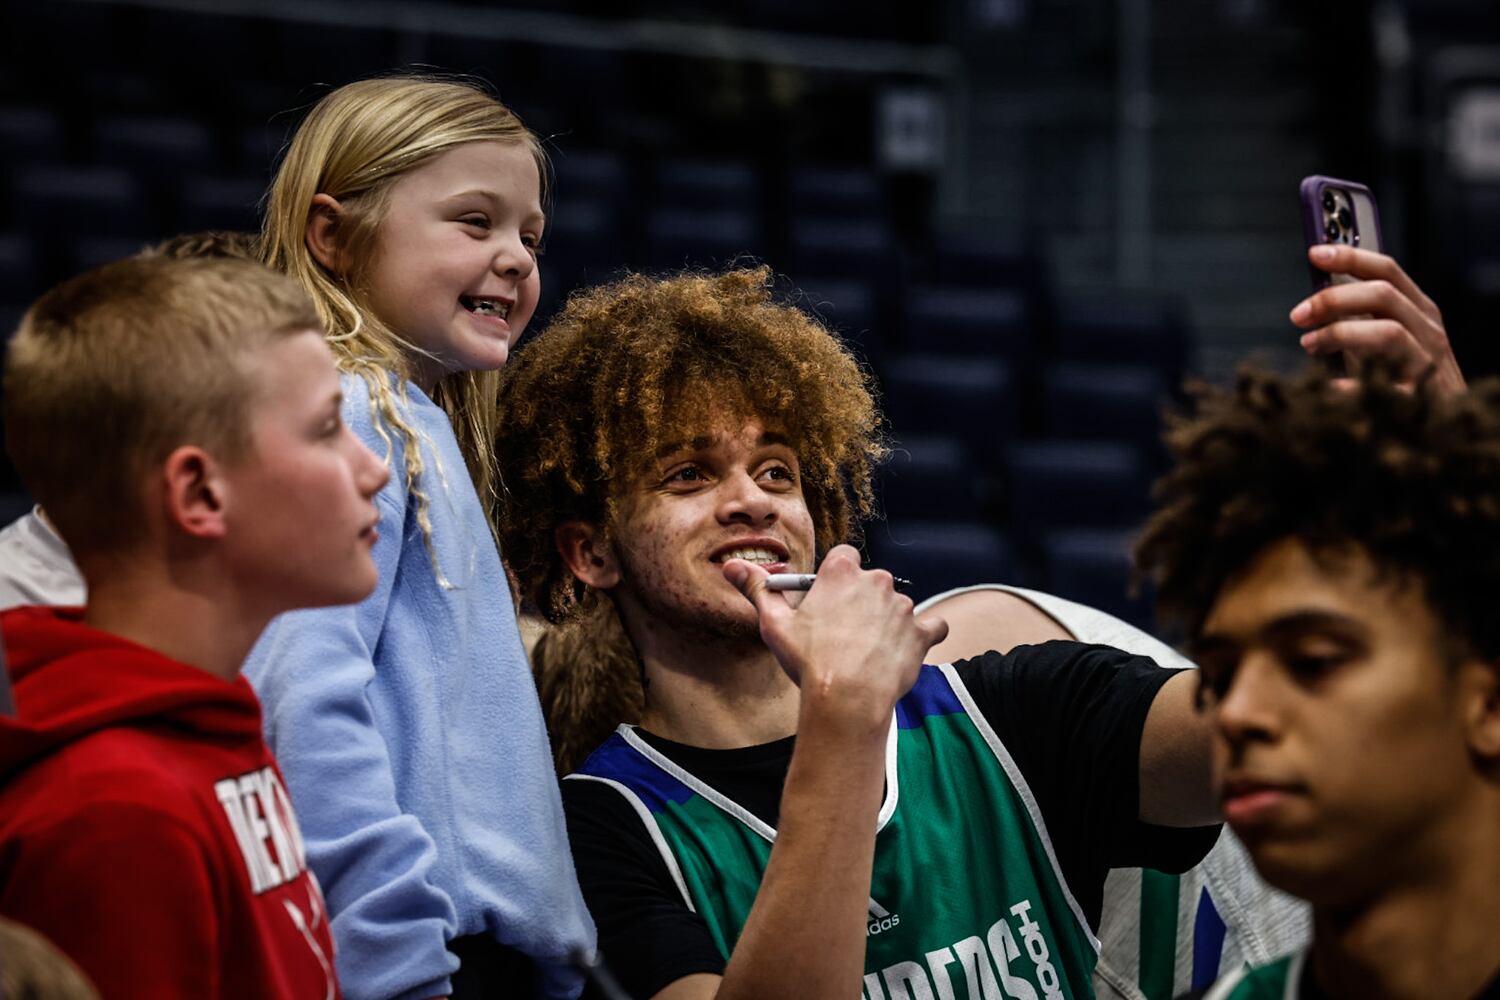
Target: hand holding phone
{"type": "Point", "coordinates": [1365, 305]}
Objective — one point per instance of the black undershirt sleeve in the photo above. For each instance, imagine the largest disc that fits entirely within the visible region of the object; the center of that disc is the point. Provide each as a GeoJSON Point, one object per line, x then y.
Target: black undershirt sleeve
{"type": "Point", "coordinates": [1071, 715]}
{"type": "Point", "coordinates": [648, 936]}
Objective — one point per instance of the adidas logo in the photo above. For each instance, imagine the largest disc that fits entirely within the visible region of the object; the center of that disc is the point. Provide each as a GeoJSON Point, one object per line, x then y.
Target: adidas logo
{"type": "Point", "coordinates": [881, 919]}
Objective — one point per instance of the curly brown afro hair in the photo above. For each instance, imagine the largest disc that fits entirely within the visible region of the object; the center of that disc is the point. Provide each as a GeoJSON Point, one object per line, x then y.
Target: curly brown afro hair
{"type": "Point", "coordinates": [1412, 478]}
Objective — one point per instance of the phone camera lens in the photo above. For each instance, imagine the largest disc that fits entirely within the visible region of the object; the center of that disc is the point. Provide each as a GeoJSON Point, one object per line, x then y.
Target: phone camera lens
{"type": "Point", "coordinates": [1328, 203]}
{"type": "Point", "coordinates": [1345, 219]}
{"type": "Point", "coordinates": [1333, 232]}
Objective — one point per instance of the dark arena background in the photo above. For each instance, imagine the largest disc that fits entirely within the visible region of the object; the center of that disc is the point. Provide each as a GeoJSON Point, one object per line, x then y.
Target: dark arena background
{"type": "Point", "coordinates": [1032, 218]}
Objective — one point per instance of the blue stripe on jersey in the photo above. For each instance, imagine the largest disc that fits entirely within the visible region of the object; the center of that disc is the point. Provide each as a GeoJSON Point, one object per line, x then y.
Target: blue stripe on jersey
{"type": "Point", "coordinates": [931, 695]}
{"type": "Point", "coordinates": [1208, 943]}
{"type": "Point", "coordinates": [617, 760]}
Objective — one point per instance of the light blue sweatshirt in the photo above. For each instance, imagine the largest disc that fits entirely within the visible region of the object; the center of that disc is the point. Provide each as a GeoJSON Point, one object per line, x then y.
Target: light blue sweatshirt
{"type": "Point", "coordinates": [412, 741]}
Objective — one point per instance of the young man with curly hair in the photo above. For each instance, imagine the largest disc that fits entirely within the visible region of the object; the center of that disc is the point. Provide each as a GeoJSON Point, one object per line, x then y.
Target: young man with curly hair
{"type": "Point", "coordinates": [804, 809]}
{"type": "Point", "coordinates": [1336, 557]}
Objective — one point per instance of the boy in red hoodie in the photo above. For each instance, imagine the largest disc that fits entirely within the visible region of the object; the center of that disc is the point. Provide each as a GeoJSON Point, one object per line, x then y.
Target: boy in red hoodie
{"type": "Point", "coordinates": [180, 422]}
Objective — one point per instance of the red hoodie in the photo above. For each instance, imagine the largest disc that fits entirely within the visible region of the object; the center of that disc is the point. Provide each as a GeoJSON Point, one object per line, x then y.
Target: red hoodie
{"type": "Point", "coordinates": [144, 828]}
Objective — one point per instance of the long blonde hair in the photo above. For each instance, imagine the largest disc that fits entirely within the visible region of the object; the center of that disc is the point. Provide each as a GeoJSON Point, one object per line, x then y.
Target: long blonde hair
{"type": "Point", "coordinates": [353, 146]}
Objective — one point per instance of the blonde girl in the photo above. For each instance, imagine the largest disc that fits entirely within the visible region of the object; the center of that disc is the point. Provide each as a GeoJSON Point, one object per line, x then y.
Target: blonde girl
{"type": "Point", "coordinates": [407, 725]}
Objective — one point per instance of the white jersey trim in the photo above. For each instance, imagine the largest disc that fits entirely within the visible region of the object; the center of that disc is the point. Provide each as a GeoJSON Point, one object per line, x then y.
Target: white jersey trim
{"type": "Point", "coordinates": [651, 828]}
{"type": "Point", "coordinates": [724, 802]}
{"type": "Point", "coordinates": [1084, 623]}
{"type": "Point", "coordinates": [1018, 781]}
{"type": "Point", "coordinates": [1225, 987]}
{"type": "Point", "coordinates": [1294, 975]}
{"type": "Point", "coordinates": [892, 786]}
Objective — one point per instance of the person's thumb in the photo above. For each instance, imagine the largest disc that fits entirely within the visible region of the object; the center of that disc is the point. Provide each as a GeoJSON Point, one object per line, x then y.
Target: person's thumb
{"type": "Point", "coordinates": [750, 579]}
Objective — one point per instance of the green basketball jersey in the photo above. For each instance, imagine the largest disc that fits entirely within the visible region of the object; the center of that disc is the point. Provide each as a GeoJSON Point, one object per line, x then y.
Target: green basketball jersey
{"type": "Point", "coordinates": [1277, 981]}
{"type": "Point", "coordinates": [967, 901]}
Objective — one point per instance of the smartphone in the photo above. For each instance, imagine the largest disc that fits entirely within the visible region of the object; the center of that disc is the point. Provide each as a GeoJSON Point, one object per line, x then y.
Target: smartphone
{"type": "Point", "coordinates": [1338, 211]}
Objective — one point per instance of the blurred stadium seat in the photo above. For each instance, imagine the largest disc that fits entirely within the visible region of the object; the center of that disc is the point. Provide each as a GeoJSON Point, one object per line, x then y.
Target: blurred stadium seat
{"type": "Point", "coordinates": [582, 243]}
{"type": "Point", "coordinates": [29, 134]}
{"type": "Point", "coordinates": [17, 271]}
{"type": "Point", "coordinates": [58, 205]}
{"type": "Point", "coordinates": [1120, 403]}
{"type": "Point", "coordinates": [706, 184]}
{"type": "Point", "coordinates": [937, 556]}
{"type": "Point", "coordinates": [304, 55]}
{"type": "Point", "coordinates": [971, 399]}
{"type": "Point", "coordinates": [842, 248]}
{"type": "Point", "coordinates": [851, 308]}
{"type": "Point", "coordinates": [590, 174]}
{"type": "Point", "coordinates": [219, 203]}
{"type": "Point", "coordinates": [929, 477]}
{"type": "Point", "coordinates": [1130, 332]}
{"type": "Point", "coordinates": [1066, 484]}
{"type": "Point", "coordinates": [984, 260]}
{"type": "Point", "coordinates": [155, 146]}
{"type": "Point", "coordinates": [677, 238]}
{"type": "Point", "coordinates": [1094, 567]}
{"type": "Point", "coordinates": [968, 321]}
{"type": "Point", "coordinates": [850, 193]}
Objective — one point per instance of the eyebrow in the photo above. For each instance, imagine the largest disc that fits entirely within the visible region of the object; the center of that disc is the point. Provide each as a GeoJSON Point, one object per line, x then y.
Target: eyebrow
{"type": "Point", "coordinates": [1294, 624]}
{"type": "Point", "coordinates": [705, 441]}
{"type": "Point", "coordinates": [1203, 646]}
{"type": "Point", "coordinates": [1285, 627]}
{"type": "Point", "coordinates": [490, 196]}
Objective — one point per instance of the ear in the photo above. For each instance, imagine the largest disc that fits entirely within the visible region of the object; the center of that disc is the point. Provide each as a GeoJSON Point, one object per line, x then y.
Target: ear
{"type": "Point", "coordinates": [1481, 691]}
{"type": "Point", "coordinates": [587, 554]}
{"type": "Point", "coordinates": [322, 230]}
{"type": "Point", "coordinates": [195, 493]}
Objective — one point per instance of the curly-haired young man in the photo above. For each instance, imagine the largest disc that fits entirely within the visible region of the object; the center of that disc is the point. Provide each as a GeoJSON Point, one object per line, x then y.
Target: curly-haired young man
{"type": "Point", "coordinates": [804, 809]}
{"type": "Point", "coordinates": [1336, 556]}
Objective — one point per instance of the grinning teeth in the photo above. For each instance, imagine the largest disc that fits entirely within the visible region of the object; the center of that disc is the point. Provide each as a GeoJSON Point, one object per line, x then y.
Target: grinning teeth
{"type": "Point", "coordinates": [762, 556]}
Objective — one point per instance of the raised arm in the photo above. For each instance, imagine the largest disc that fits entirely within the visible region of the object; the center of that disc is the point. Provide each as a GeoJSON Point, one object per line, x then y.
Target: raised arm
{"type": "Point", "coordinates": [1177, 758]}
{"type": "Point", "coordinates": [1176, 744]}
{"type": "Point", "coordinates": [854, 648]}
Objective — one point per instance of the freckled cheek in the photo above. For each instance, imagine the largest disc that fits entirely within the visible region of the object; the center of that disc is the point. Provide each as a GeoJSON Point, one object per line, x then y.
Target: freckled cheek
{"type": "Point", "coordinates": [800, 535]}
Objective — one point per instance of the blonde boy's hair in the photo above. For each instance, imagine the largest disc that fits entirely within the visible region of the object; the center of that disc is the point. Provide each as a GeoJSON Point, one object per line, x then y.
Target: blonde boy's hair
{"type": "Point", "coordinates": [208, 243]}
{"type": "Point", "coordinates": [354, 145]}
{"type": "Point", "coordinates": [112, 370]}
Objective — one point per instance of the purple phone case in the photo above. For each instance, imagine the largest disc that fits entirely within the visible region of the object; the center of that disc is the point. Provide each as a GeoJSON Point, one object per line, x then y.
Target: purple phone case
{"type": "Point", "coordinates": [1311, 191]}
